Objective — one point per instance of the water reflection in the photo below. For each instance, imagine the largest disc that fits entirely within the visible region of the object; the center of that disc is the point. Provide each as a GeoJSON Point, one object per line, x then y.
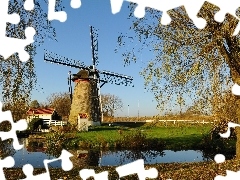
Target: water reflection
{"type": "Point", "coordinates": [150, 157]}
{"type": "Point", "coordinates": [35, 151]}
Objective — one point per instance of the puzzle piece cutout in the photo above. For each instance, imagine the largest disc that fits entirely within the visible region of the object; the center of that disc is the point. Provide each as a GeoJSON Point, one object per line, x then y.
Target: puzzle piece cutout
{"type": "Point", "coordinates": [60, 15]}
{"type": "Point", "coordinates": [75, 4]}
{"type": "Point", "coordinates": [66, 164]}
{"type": "Point", "coordinates": [192, 9]}
{"type": "Point", "coordinates": [236, 89]}
{"type": "Point", "coordinates": [18, 126]}
{"type": "Point", "coordinates": [6, 46]}
{"type": "Point", "coordinates": [138, 168]}
{"type": "Point", "coordinates": [87, 173]}
{"type": "Point", "coordinates": [228, 133]}
{"type": "Point", "coordinates": [29, 5]}
{"type": "Point", "coordinates": [219, 158]}
{"type": "Point", "coordinates": [230, 175]}
{"type": "Point", "coordinates": [7, 162]}
{"type": "Point", "coordinates": [229, 7]}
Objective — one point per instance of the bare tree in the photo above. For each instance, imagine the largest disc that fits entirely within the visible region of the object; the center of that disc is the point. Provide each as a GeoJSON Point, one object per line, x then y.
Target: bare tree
{"type": "Point", "coordinates": [110, 103]}
{"type": "Point", "coordinates": [34, 104]}
{"type": "Point", "coordinates": [61, 102]}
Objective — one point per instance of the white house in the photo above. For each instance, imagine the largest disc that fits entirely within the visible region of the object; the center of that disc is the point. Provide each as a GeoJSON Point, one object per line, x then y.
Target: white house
{"type": "Point", "coordinates": [42, 113]}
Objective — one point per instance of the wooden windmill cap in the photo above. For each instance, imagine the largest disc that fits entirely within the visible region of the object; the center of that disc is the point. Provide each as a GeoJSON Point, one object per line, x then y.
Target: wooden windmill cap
{"type": "Point", "coordinates": [82, 75]}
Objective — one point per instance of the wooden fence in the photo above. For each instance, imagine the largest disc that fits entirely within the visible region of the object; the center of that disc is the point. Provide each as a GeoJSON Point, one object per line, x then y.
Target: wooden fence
{"type": "Point", "coordinates": [174, 121]}
{"type": "Point", "coordinates": [184, 121]}
{"type": "Point", "coordinates": [54, 122]}
{"type": "Point", "coordinates": [147, 118]}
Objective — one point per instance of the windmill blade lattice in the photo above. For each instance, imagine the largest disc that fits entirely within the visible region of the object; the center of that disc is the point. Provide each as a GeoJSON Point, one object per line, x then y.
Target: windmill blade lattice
{"type": "Point", "coordinates": [55, 58]}
{"type": "Point", "coordinates": [115, 78]}
{"type": "Point", "coordinates": [94, 45]}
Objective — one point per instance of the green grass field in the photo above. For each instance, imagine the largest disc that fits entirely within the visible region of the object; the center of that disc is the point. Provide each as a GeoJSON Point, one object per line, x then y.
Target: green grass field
{"type": "Point", "coordinates": [174, 137]}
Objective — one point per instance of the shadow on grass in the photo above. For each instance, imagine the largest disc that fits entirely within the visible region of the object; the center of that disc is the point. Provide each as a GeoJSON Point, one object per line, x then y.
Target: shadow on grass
{"type": "Point", "coordinates": [126, 124]}
{"type": "Point", "coordinates": [183, 142]}
{"type": "Point", "coordinates": [102, 128]}
{"type": "Point", "coordinates": [195, 142]}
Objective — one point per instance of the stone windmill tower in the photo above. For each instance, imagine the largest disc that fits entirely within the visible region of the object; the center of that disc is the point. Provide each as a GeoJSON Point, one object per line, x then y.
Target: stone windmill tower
{"type": "Point", "coordinates": [86, 99]}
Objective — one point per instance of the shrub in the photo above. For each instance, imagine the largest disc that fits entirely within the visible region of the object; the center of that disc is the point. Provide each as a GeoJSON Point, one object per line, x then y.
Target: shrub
{"type": "Point", "coordinates": [222, 127]}
{"type": "Point", "coordinates": [55, 143]}
{"type": "Point", "coordinates": [68, 129]}
{"type": "Point", "coordinates": [34, 124]}
{"type": "Point", "coordinates": [134, 140]}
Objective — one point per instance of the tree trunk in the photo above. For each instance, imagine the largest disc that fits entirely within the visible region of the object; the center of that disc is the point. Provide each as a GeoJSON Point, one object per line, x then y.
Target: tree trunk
{"type": "Point", "coordinates": [236, 79]}
{"type": "Point", "coordinates": [235, 74]}
{"type": "Point", "coordinates": [238, 129]}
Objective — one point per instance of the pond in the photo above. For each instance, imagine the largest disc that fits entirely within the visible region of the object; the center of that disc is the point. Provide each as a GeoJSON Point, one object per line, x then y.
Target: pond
{"type": "Point", "coordinates": [35, 155]}
{"type": "Point", "coordinates": [117, 158]}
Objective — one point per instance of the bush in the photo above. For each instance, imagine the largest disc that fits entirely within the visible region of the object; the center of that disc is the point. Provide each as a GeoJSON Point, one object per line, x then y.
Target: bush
{"type": "Point", "coordinates": [68, 129]}
{"type": "Point", "coordinates": [35, 123]}
{"type": "Point", "coordinates": [134, 140]}
{"type": "Point", "coordinates": [55, 144]}
{"type": "Point", "coordinates": [213, 140]}
{"type": "Point", "coordinates": [222, 127]}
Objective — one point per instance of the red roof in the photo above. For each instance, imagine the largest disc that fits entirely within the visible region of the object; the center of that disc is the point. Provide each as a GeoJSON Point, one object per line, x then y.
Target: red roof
{"type": "Point", "coordinates": [40, 111]}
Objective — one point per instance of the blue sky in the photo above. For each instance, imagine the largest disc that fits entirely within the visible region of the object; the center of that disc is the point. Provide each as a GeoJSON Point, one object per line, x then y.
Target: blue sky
{"type": "Point", "coordinates": [73, 38]}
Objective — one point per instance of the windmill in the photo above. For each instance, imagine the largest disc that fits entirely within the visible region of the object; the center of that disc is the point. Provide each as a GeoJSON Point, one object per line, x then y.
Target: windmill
{"type": "Point", "coordinates": [86, 98]}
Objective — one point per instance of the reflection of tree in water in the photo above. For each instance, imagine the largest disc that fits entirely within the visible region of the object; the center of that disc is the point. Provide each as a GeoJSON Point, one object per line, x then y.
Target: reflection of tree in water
{"type": "Point", "coordinates": [135, 155]}
{"type": "Point", "coordinates": [93, 157]}
{"type": "Point", "coordinates": [83, 158]}
{"type": "Point", "coordinates": [209, 155]}
{"type": "Point", "coordinates": [36, 146]}
{"type": "Point", "coordinates": [6, 149]}
{"type": "Point", "coordinates": [53, 150]}
{"type": "Point", "coordinates": [54, 144]}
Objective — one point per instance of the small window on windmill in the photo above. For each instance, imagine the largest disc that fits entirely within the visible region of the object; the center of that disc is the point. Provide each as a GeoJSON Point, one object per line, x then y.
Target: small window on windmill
{"type": "Point", "coordinates": [83, 122]}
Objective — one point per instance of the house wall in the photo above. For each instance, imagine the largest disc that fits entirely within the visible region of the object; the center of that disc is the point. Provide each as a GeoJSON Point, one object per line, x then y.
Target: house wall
{"type": "Point", "coordinates": [42, 116]}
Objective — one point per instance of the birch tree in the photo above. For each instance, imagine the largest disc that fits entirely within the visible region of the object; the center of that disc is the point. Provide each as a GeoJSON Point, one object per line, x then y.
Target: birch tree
{"type": "Point", "coordinates": [18, 79]}
{"type": "Point", "coordinates": [198, 64]}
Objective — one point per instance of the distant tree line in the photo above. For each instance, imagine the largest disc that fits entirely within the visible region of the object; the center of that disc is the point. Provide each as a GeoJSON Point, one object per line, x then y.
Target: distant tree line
{"type": "Point", "coordinates": [61, 102]}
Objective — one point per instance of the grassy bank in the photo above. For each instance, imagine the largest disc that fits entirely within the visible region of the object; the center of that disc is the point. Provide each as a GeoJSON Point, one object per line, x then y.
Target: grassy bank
{"type": "Point", "coordinates": [171, 137]}
{"type": "Point", "coordinates": [186, 171]}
